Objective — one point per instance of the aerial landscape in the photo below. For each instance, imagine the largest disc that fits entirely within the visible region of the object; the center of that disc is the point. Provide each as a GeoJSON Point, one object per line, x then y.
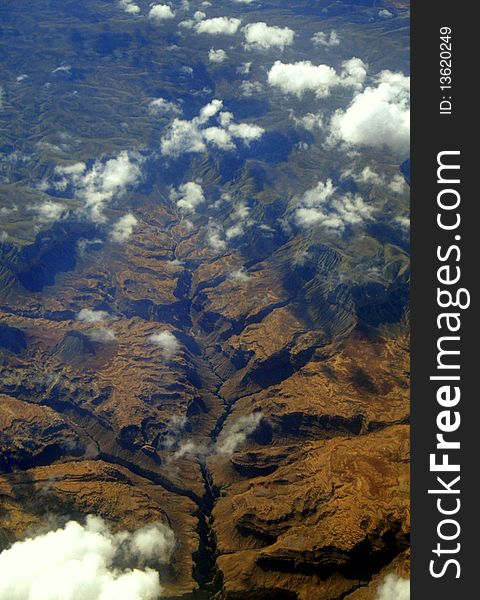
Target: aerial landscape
{"type": "Point", "coordinates": [204, 288]}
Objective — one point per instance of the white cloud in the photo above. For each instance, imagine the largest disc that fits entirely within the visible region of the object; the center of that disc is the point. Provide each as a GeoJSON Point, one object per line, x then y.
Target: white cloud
{"type": "Point", "coordinates": [377, 116]}
{"type": "Point", "coordinates": [196, 135]}
{"type": "Point", "coordinates": [236, 435]}
{"type": "Point", "coordinates": [188, 196]}
{"type": "Point", "coordinates": [49, 211]}
{"type": "Point", "coordinates": [328, 41]}
{"type": "Point", "coordinates": [76, 562]}
{"type": "Point", "coordinates": [214, 236]}
{"type": "Point", "coordinates": [218, 26]}
{"type": "Point", "coordinates": [309, 121]}
{"type": "Point", "coordinates": [161, 12]}
{"type": "Point", "coordinates": [239, 275]}
{"type": "Point", "coordinates": [239, 219]}
{"type": "Point", "coordinates": [88, 315]}
{"type": "Point", "coordinates": [229, 440]}
{"type": "Point", "coordinates": [260, 36]}
{"type": "Point", "coordinates": [167, 342]}
{"type": "Point", "coordinates": [394, 588]}
{"type": "Point", "coordinates": [100, 184]}
{"type": "Point", "coordinates": [129, 6]}
{"type": "Point", "coordinates": [160, 106]}
{"type": "Point", "coordinates": [404, 222]}
{"type": "Point", "coordinates": [333, 211]}
{"type": "Point", "coordinates": [250, 88]}
{"type": "Point", "coordinates": [244, 68]}
{"type": "Point", "coordinates": [385, 14]}
{"type": "Point", "coordinates": [301, 77]}
{"type": "Point", "coordinates": [103, 335]}
{"type": "Point", "coordinates": [123, 228]}
{"type": "Point", "coordinates": [397, 184]}
{"type": "Point", "coordinates": [217, 56]}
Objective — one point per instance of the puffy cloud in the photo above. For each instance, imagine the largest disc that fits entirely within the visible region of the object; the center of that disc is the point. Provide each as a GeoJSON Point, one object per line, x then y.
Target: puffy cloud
{"type": "Point", "coordinates": [309, 121]}
{"type": "Point", "coordinates": [394, 588]}
{"type": "Point", "coordinates": [88, 315]}
{"type": "Point", "coordinates": [328, 41]}
{"type": "Point", "coordinates": [214, 236]}
{"type": "Point", "coordinates": [167, 342]}
{"type": "Point", "coordinates": [404, 222]}
{"type": "Point", "coordinates": [217, 56]}
{"type": "Point", "coordinates": [161, 12]}
{"type": "Point", "coordinates": [323, 206]}
{"type": "Point", "coordinates": [244, 68]}
{"type": "Point", "coordinates": [100, 184]}
{"type": "Point", "coordinates": [103, 335]}
{"type": "Point", "coordinates": [77, 562]}
{"type": "Point", "coordinates": [239, 220]}
{"type": "Point", "coordinates": [368, 176]}
{"type": "Point", "coordinates": [236, 435]}
{"type": "Point", "coordinates": [195, 135]}
{"type": "Point", "coordinates": [250, 88]}
{"type": "Point", "coordinates": [160, 106]}
{"type": "Point", "coordinates": [218, 26]}
{"type": "Point", "coordinates": [188, 196]}
{"type": "Point", "coordinates": [123, 228]}
{"type": "Point", "coordinates": [230, 439]}
{"type": "Point", "coordinates": [260, 36]}
{"type": "Point", "coordinates": [377, 116]}
{"type": "Point", "coordinates": [397, 184]}
{"type": "Point", "coordinates": [239, 275]}
{"type": "Point", "coordinates": [385, 14]}
{"type": "Point", "coordinates": [301, 77]}
{"type": "Point", "coordinates": [49, 211]}
{"type": "Point", "coordinates": [129, 6]}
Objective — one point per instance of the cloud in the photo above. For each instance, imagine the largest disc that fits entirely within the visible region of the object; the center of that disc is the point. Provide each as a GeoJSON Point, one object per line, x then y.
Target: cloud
{"type": "Point", "coordinates": [244, 68]}
{"type": "Point", "coordinates": [378, 116]}
{"type": "Point", "coordinates": [309, 121]}
{"type": "Point", "coordinates": [394, 588]}
{"type": "Point", "coordinates": [161, 12]}
{"type": "Point", "coordinates": [301, 77]}
{"type": "Point", "coordinates": [129, 6]}
{"type": "Point", "coordinates": [404, 222]}
{"type": "Point", "coordinates": [368, 176]}
{"type": "Point", "coordinates": [260, 36]}
{"type": "Point", "coordinates": [236, 435]}
{"type": "Point", "coordinates": [397, 184]}
{"type": "Point", "coordinates": [239, 219]}
{"type": "Point", "coordinates": [323, 206]}
{"type": "Point", "coordinates": [239, 275]}
{"type": "Point", "coordinates": [103, 335]}
{"type": "Point", "coordinates": [123, 228]}
{"type": "Point", "coordinates": [160, 106]}
{"type": "Point", "coordinates": [167, 342]}
{"type": "Point", "coordinates": [78, 562]}
{"type": "Point", "coordinates": [250, 88]}
{"type": "Point", "coordinates": [218, 26]}
{"type": "Point", "coordinates": [230, 439]}
{"type": "Point", "coordinates": [214, 236]}
{"type": "Point", "coordinates": [217, 56]}
{"type": "Point", "coordinates": [49, 211]}
{"type": "Point", "coordinates": [196, 135]}
{"type": "Point", "coordinates": [322, 39]}
{"type": "Point", "coordinates": [385, 14]}
{"type": "Point", "coordinates": [188, 196]}
{"type": "Point", "coordinates": [88, 315]}
{"type": "Point", "coordinates": [100, 184]}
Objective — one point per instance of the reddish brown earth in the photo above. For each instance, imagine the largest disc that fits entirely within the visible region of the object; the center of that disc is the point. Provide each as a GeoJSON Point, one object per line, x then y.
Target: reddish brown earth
{"type": "Point", "coordinates": [312, 505]}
